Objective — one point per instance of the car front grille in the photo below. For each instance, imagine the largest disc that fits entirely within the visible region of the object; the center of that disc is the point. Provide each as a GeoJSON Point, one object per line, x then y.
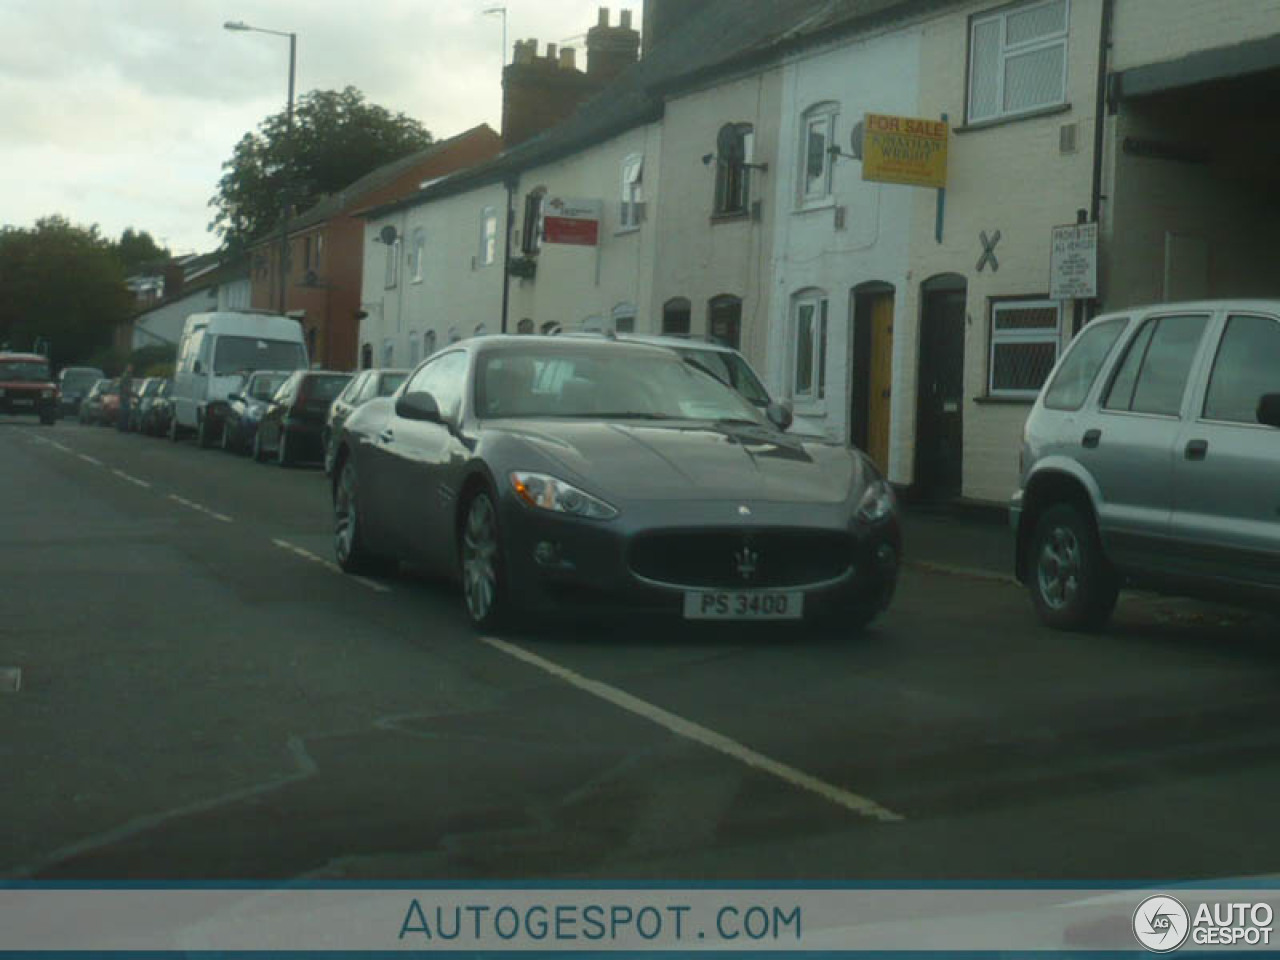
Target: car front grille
{"type": "Point", "coordinates": [743, 560]}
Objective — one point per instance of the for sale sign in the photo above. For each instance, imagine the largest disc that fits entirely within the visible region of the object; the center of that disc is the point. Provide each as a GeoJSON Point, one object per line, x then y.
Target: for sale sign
{"type": "Point", "coordinates": [572, 221]}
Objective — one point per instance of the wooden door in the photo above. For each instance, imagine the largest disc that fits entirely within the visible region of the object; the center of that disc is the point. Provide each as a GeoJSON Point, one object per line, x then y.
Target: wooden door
{"type": "Point", "coordinates": [880, 381]}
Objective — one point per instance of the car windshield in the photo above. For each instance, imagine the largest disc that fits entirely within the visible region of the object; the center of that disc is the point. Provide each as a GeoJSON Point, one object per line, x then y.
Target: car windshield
{"type": "Point", "coordinates": [264, 385]}
{"type": "Point", "coordinates": [234, 354]}
{"type": "Point", "coordinates": [729, 368]}
{"type": "Point", "coordinates": [612, 384]}
{"type": "Point", "coordinates": [24, 370]}
{"type": "Point", "coordinates": [325, 387]}
{"type": "Point", "coordinates": [389, 383]}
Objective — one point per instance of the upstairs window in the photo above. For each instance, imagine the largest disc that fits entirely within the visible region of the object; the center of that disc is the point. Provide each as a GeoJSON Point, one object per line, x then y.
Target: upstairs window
{"type": "Point", "coordinates": [1018, 60]}
{"type": "Point", "coordinates": [531, 237]}
{"type": "Point", "coordinates": [733, 158]}
{"type": "Point", "coordinates": [632, 211]}
{"type": "Point", "coordinates": [488, 236]}
{"type": "Point", "coordinates": [817, 137]}
{"type": "Point", "coordinates": [417, 254]}
{"type": "Point", "coordinates": [393, 264]}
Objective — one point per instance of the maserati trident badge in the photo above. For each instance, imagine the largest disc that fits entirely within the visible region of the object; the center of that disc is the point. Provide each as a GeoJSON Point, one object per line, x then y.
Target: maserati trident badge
{"type": "Point", "coordinates": [746, 560]}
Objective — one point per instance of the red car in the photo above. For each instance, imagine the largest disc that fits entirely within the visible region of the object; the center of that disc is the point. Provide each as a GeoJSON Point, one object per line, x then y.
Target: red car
{"type": "Point", "coordinates": [109, 411]}
{"type": "Point", "coordinates": [27, 386]}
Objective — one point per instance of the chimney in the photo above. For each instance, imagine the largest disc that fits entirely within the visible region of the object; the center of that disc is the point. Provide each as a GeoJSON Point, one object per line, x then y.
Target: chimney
{"type": "Point", "coordinates": [662, 18]}
{"type": "Point", "coordinates": [610, 50]}
{"type": "Point", "coordinates": [539, 91]}
{"type": "Point", "coordinates": [174, 277]}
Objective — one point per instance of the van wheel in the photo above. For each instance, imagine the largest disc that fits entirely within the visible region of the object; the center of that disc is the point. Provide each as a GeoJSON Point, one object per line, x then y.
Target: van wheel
{"type": "Point", "coordinates": [1072, 584]}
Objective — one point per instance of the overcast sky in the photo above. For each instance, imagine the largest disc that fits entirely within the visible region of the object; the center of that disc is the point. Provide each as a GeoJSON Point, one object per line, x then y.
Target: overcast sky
{"type": "Point", "coordinates": [121, 112]}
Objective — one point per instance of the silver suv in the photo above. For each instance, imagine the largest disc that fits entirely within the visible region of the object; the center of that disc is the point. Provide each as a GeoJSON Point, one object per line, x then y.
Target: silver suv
{"type": "Point", "coordinates": [1152, 459]}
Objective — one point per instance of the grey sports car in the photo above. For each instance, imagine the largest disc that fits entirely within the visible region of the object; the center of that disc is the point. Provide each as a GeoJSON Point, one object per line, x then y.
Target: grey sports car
{"type": "Point", "coordinates": [557, 475]}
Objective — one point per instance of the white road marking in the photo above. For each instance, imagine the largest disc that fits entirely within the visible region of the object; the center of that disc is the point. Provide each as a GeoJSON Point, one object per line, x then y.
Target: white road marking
{"type": "Point", "coordinates": [88, 459]}
{"type": "Point", "coordinates": [700, 734]}
{"type": "Point", "coordinates": [134, 480]}
{"type": "Point", "coordinates": [200, 509]}
{"type": "Point", "coordinates": [330, 566]}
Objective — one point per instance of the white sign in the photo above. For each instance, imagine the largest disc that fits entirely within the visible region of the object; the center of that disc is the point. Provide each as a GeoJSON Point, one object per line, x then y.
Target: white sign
{"type": "Point", "coordinates": [1073, 264]}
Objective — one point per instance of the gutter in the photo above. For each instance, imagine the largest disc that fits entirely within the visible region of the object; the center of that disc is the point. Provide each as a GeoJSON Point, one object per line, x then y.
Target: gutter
{"type": "Point", "coordinates": [1099, 130]}
{"type": "Point", "coordinates": [510, 183]}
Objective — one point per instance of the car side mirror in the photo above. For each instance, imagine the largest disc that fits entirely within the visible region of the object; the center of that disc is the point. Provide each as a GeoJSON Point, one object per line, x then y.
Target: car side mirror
{"type": "Point", "coordinates": [780, 414]}
{"type": "Point", "coordinates": [1269, 409]}
{"type": "Point", "coordinates": [418, 406]}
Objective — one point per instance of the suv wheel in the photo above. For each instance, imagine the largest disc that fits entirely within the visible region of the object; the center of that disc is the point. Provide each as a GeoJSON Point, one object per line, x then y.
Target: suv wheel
{"type": "Point", "coordinates": [1071, 582]}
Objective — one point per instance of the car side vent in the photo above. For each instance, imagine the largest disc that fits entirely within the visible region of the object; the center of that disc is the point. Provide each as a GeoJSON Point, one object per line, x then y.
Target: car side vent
{"type": "Point", "coordinates": [1067, 134]}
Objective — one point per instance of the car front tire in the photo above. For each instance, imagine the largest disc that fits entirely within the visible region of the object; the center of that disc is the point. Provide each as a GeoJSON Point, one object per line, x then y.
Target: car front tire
{"type": "Point", "coordinates": [1072, 584]}
{"type": "Point", "coordinates": [349, 546]}
{"type": "Point", "coordinates": [483, 566]}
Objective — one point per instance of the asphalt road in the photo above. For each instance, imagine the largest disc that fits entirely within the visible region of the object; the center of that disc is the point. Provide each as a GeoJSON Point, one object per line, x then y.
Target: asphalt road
{"type": "Point", "coordinates": [204, 696]}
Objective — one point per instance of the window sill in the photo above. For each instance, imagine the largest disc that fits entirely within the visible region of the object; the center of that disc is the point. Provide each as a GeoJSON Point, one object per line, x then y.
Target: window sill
{"type": "Point", "coordinates": [736, 217]}
{"type": "Point", "coordinates": [997, 400]}
{"type": "Point", "coordinates": [809, 408]}
{"type": "Point", "coordinates": [816, 206]}
{"type": "Point", "coordinates": [1015, 118]}
{"type": "Point", "coordinates": [626, 231]}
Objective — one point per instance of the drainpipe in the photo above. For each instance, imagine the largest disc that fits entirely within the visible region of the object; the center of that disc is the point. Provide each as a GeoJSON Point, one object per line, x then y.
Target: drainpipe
{"type": "Point", "coordinates": [510, 183]}
{"type": "Point", "coordinates": [1100, 110]}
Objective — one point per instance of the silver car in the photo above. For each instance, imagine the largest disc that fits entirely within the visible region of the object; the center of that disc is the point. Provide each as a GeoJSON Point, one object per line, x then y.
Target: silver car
{"type": "Point", "coordinates": [1151, 459]}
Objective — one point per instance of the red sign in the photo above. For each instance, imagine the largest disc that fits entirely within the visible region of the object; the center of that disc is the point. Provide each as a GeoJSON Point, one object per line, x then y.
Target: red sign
{"type": "Point", "coordinates": [573, 222]}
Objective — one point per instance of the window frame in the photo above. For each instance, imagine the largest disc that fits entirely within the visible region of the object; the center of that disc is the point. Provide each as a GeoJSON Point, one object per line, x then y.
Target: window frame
{"type": "Point", "coordinates": [623, 312]}
{"type": "Point", "coordinates": [1004, 53]}
{"type": "Point", "coordinates": [531, 226]}
{"type": "Point", "coordinates": [631, 212]}
{"type": "Point", "coordinates": [392, 278]}
{"type": "Point", "coordinates": [735, 178]}
{"type": "Point", "coordinates": [674, 306]}
{"type": "Point", "coordinates": [1203, 413]}
{"type": "Point", "coordinates": [824, 115]}
{"type": "Point", "coordinates": [1013, 337]}
{"type": "Point", "coordinates": [815, 395]}
{"type": "Point", "coordinates": [488, 254]}
{"type": "Point", "coordinates": [417, 254]}
{"type": "Point", "coordinates": [1153, 321]}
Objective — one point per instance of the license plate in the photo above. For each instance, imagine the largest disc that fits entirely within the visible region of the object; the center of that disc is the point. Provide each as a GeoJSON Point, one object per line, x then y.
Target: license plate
{"type": "Point", "coordinates": [21, 403]}
{"type": "Point", "coordinates": [742, 605]}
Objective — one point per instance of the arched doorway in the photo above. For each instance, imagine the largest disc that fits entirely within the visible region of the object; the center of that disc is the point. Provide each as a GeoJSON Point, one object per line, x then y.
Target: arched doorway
{"type": "Point", "coordinates": [939, 460]}
{"type": "Point", "coordinates": [871, 370]}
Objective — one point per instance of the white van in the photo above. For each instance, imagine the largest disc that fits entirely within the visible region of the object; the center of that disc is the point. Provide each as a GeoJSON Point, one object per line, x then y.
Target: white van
{"type": "Point", "coordinates": [216, 350]}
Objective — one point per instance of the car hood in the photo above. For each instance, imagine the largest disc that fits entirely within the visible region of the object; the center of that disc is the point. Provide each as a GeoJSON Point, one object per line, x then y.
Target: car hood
{"type": "Point", "coordinates": [690, 461]}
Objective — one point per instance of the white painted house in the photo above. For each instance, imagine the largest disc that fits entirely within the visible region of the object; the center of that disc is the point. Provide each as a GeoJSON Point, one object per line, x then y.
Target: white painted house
{"type": "Point", "coordinates": [195, 284]}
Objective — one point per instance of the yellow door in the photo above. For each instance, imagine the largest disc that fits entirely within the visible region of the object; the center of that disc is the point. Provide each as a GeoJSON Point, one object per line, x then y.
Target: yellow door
{"type": "Point", "coordinates": [880, 388]}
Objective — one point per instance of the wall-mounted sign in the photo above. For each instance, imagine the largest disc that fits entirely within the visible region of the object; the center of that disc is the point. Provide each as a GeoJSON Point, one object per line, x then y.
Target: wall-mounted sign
{"type": "Point", "coordinates": [1073, 262]}
{"type": "Point", "coordinates": [571, 221]}
{"type": "Point", "coordinates": [905, 150]}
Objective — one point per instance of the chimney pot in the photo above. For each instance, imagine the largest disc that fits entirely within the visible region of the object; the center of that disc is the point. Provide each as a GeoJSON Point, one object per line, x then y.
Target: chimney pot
{"type": "Point", "coordinates": [568, 59]}
{"type": "Point", "coordinates": [602, 17]}
{"type": "Point", "coordinates": [626, 19]}
{"type": "Point", "coordinates": [551, 51]}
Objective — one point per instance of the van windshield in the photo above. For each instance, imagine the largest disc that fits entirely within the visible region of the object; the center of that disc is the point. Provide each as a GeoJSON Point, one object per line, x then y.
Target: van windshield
{"type": "Point", "coordinates": [235, 354]}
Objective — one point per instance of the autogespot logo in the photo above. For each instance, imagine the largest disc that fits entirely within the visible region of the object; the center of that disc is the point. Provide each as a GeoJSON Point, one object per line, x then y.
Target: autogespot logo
{"type": "Point", "coordinates": [1161, 924]}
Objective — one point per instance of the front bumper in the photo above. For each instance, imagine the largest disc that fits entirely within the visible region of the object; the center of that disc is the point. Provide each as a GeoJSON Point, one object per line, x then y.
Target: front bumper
{"type": "Point", "coordinates": [20, 402]}
{"type": "Point", "coordinates": [562, 564]}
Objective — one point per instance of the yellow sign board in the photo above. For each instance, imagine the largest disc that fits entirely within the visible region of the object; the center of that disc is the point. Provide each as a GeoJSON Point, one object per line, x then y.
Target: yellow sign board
{"type": "Point", "coordinates": [904, 150]}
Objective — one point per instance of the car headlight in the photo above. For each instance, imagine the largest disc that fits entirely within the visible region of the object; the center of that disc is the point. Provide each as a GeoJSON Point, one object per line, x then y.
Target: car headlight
{"type": "Point", "coordinates": [877, 502]}
{"type": "Point", "coordinates": [551, 493]}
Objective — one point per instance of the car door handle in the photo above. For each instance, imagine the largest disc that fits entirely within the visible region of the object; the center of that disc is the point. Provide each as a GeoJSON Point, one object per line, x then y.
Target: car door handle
{"type": "Point", "coordinates": [387, 435]}
{"type": "Point", "coordinates": [1197, 449]}
{"type": "Point", "coordinates": [1091, 439]}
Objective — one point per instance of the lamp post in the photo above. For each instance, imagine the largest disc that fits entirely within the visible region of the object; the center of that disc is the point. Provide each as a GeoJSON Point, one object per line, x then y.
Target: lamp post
{"type": "Point", "coordinates": [240, 25]}
{"type": "Point", "coordinates": [502, 12]}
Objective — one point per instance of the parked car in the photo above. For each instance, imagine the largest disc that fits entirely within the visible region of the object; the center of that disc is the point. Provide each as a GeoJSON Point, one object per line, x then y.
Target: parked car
{"type": "Point", "coordinates": [291, 426]}
{"type": "Point", "coordinates": [565, 474]}
{"type": "Point", "coordinates": [144, 394]}
{"type": "Point", "coordinates": [1149, 459]}
{"type": "Point", "coordinates": [27, 387]}
{"type": "Point", "coordinates": [109, 407]}
{"type": "Point", "coordinates": [159, 412]}
{"type": "Point", "coordinates": [215, 353]}
{"type": "Point", "coordinates": [245, 407]}
{"type": "Point", "coordinates": [364, 386]}
{"type": "Point", "coordinates": [74, 383]}
{"type": "Point", "coordinates": [91, 406]}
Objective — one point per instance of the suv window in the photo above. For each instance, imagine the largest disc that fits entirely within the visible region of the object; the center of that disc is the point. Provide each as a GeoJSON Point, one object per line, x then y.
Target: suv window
{"type": "Point", "coordinates": [1247, 366]}
{"type": "Point", "coordinates": [1153, 376]}
{"type": "Point", "coordinates": [1074, 379]}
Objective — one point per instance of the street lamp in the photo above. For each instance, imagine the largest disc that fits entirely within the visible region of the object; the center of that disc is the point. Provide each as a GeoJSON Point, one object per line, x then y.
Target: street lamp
{"type": "Point", "coordinates": [502, 12]}
{"type": "Point", "coordinates": [240, 25]}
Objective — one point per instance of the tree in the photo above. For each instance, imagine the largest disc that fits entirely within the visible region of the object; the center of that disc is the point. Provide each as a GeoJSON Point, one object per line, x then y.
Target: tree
{"type": "Point", "coordinates": [137, 251]}
{"type": "Point", "coordinates": [337, 138]}
{"type": "Point", "coordinates": [63, 283]}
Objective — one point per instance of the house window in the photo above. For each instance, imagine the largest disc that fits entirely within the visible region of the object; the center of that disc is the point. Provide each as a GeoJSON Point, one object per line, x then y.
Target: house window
{"type": "Point", "coordinates": [809, 329]}
{"type": "Point", "coordinates": [417, 254]}
{"type": "Point", "coordinates": [632, 192]}
{"type": "Point", "coordinates": [1024, 346]}
{"type": "Point", "coordinates": [676, 317]}
{"type": "Point", "coordinates": [531, 238]}
{"type": "Point", "coordinates": [624, 318]}
{"type": "Point", "coordinates": [733, 183]}
{"type": "Point", "coordinates": [428, 343]}
{"type": "Point", "coordinates": [393, 264]}
{"type": "Point", "coordinates": [1018, 60]}
{"type": "Point", "coordinates": [724, 320]}
{"type": "Point", "coordinates": [414, 347]}
{"type": "Point", "coordinates": [488, 236]}
{"type": "Point", "coordinates": [817, 136]}
{"type": "Point", "coordinates": [319, 250]}
{"type": "Point", "coordinates": [366, 356]}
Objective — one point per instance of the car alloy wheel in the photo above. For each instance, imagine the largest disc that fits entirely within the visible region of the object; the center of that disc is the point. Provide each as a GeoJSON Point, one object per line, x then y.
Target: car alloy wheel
{"type": "Point", "coordinates": [348, 538]}
{"type": "Point", "coordinates": [1058, 568]}
{"type": "Point", "coordinates": [482, 586]}
{"type": "Point", "coordinates": [1071, 581]}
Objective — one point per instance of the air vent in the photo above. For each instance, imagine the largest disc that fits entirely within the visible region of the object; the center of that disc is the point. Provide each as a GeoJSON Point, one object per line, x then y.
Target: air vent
{"type": "Point", "coordinates": [1067, 137]}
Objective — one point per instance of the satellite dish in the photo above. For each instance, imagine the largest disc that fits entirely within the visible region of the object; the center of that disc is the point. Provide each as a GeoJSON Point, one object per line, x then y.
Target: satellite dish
{"type": "Point", "coordinates": [387, 235]}
{"type": "Point", "coordinates": [855, 138]}
{"type": "Point", "coordinates": [729, 146]}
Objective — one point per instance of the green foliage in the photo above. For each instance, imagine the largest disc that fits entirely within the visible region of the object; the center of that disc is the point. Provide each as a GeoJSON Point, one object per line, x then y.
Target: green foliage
{"type": "Point", "coordinates": [337, 138]}
{"type": "Point", "coordinates": [138, 250]}
{"type": "Point", "coordinates": [63, 283]}
{"type": "Point", "coordinates": [147, 358]}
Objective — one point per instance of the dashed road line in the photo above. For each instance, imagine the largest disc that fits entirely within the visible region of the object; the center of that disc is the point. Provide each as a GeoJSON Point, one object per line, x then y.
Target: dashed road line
{"type": "Point", "coordinates": [134, 480]}
{"type": "Point", "coordinates": [200, 509]}
{"type": "Point", "coordinates": [330, 566]}
{"type": "Point", "coordinates": [88, 459]}
{"type": "Point", "coordinates": [681, 727]}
